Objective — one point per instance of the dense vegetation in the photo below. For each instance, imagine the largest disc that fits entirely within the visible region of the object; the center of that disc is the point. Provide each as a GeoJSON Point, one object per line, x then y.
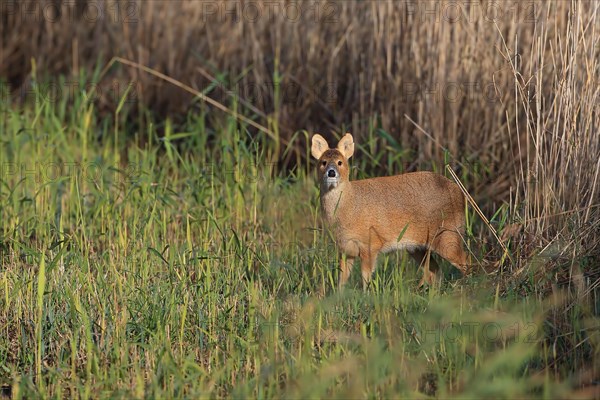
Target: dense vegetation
{"type": "Point", "coordinates": [158, 245]}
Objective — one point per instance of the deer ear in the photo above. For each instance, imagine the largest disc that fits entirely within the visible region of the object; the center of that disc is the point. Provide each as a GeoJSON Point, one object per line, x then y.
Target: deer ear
{"type": "Point", "coordinates": [346, 145]}
{"type": "Point", "coordinates": [319, 146]}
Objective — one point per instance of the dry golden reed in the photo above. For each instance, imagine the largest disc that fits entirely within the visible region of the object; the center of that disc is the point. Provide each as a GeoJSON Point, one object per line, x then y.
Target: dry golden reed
{"type": "Point", "coordinates": [510, 86]}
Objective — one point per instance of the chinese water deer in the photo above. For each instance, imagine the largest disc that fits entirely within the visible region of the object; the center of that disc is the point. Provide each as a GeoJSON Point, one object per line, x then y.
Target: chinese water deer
{"type": "Point", "coordinates": [419, 212]}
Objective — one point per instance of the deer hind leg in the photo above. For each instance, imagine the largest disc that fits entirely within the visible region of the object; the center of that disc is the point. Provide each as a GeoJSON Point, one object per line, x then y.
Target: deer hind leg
{"type": "Point", "coordinates": [430, 266]}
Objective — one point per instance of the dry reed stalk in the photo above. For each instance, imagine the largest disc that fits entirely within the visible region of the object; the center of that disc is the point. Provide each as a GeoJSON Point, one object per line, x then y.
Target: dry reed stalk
{"type": "Point", "coordinates": [517, 92]}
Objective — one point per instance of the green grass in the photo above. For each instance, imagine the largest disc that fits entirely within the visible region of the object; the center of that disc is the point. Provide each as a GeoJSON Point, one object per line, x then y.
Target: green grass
{"type": "Point", "coordinates": [171, 263]}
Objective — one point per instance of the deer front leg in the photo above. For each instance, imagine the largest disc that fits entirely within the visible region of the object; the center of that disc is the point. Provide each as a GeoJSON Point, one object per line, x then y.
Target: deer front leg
{"type": "Point", "coordinates": [430, 267]}
{"type": "Point", "coordinates": [346, 263]}
{"type": "Point", "coordinates": [367, 266]}
{"type": "Point", "coordinates": [350, 250]}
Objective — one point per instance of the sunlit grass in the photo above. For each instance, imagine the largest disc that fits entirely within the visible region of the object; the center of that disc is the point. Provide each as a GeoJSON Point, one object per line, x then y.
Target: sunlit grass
{"type": "Point", "coordinates": [151, 264]}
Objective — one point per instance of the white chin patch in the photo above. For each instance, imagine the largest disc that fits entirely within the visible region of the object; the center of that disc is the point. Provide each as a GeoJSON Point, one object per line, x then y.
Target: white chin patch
{"type": "Point", "coordinates": [332, 182]}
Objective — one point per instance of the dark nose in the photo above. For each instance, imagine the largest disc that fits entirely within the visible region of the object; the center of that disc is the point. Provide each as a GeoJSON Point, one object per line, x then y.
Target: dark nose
{"type": "Point", "coordinates": [331, 173]}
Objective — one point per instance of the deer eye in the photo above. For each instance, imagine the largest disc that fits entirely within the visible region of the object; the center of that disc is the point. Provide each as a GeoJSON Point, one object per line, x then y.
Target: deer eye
{"type": "Point", "coordinates": [323, 163]}
{"type": "Point", "coordinates": [340, 163]}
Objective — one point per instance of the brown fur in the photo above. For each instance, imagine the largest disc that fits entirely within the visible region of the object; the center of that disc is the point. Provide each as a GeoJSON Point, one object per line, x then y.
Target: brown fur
{"type": "Point", "coordinates": [418, 211]}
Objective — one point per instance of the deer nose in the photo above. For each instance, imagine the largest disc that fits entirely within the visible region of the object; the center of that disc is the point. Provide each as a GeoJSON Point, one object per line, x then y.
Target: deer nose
{"type": "Point", "coordinates": [331, 173]}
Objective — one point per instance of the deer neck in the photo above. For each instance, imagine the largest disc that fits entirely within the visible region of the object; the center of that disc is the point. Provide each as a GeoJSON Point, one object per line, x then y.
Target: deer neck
{"type": "Point", "coordinates": [333, 198]}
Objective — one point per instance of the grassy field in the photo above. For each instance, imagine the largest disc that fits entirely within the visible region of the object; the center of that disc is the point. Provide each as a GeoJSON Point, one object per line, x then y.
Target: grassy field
{"type": "Point", "coordinates": [160, 232]}
{"type": "Point", "coordinates": [182, 263]}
